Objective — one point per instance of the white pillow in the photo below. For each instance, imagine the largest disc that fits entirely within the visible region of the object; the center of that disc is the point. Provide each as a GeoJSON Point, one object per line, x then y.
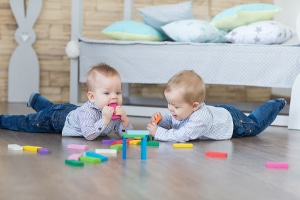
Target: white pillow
{"type": "Point", "coordinates": [194, 30]}
{"type": "Point", "coordinates": [157, 16]}
{"type": "Point", "coordinates": [262, 32]}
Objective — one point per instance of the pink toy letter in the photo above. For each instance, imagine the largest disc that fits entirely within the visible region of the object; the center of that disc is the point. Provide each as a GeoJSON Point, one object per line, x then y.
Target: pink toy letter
{"type": "Point", "coordinates": [114, 105]}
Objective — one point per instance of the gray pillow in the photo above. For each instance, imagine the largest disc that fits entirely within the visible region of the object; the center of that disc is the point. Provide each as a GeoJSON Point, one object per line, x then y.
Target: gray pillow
{"type": "Point", "coordinates": [157, 16]}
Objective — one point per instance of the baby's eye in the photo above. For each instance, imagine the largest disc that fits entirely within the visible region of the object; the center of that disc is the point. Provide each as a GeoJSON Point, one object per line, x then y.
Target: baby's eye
{"type": "Point", "coordinates": [118, 93]}
{"type": "Point", "coordinates": [106, 93]}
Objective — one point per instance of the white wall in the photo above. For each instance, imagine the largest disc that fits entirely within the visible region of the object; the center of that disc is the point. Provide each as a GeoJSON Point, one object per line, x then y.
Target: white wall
{"type": "Point", "coordinates": [288, 16]}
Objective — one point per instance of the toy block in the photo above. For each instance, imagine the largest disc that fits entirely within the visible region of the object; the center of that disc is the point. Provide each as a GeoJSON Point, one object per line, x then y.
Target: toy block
{"type": "Point", "coordinates": [153, 143]}
{"type": "Point", "coordinates": [283, 165]}
{"type": "Point", "coordinates": [117, 146]}
{"type": "Point", "coordinates": [183, 145]}
{"type": "Point", "coordinates": [137, 132]}
{"type": "Point", "coordinates": [74, 156]}
{"type": "Point", "coordinates": [143, 134]}
{"type": "Point", "coordinates": [75, 163]}
{"type": "Point", "coordinates": [31, 148]}
{"type": "Point", "coordinates": [77, 147]}
{"type": "Point", "coordinates": [144, 149]}
{"type": "Point", "coordinates": [106, 151]}
{"type": "Point", "coordinates": [15, 147]}
{"type": "Point", "coordinates": [96, 155]}
{"type": "Point", "coordinates": [43, 151]}
{"type": "Point", "coordinates": [124, 147]}
{"type": "Point", "coordinates": [121, 141]}
{"type": "Point", "coordinates": [135, 142]}
{"type": "Point", "coordinates": [150, 138]}
{"type": "Point", "coordinates": [108, 142]}
{"type": "Point", "coordinates": [89, 159]}
{"type": "Point", "coordinates": [117, 142]}
{"type": "Point", "coordinates": [134, 136]}
{"type": "Point", "coordinates": [216, 154]}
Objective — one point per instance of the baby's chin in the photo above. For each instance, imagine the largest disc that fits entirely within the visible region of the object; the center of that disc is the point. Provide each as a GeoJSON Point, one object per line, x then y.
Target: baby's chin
{"type": "Point", "coordinates": [176, 117]}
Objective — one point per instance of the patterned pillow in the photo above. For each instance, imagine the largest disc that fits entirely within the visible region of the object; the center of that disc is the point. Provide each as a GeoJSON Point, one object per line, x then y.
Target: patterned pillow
{"type": "Point", "coordinates": [157, 16]}
{"type": "Point", "coordinates": [244, 14]}
{"type": "Point", "coordinates": [132, 30]}
{"type": "Point", "coordinates": [263, 32]}
{"type": "Point", "coordinates": [193, 30]}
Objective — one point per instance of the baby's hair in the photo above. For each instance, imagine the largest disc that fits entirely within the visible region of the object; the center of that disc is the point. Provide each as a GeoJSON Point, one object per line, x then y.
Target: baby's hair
{"type": "Point", "coordinates": [190, 83]}
{"type": "Point", "coordinates": [101, 68]}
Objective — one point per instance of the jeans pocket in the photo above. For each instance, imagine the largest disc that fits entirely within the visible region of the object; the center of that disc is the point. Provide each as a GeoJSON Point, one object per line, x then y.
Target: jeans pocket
{"type": "Point", "coordinates": [243, 126]}
{"type": "Point", "coordinates": [59, 115]}
{"type": "Point", "coordinates": [42, 123]}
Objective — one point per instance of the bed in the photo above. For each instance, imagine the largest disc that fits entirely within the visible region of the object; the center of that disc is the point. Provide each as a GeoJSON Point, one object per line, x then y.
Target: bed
{"type": "Point", "coordinates": [218, 63]}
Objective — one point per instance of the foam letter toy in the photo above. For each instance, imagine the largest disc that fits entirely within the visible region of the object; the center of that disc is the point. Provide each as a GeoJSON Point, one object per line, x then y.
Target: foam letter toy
{"type": "Point", "coordinates": [183, 145]}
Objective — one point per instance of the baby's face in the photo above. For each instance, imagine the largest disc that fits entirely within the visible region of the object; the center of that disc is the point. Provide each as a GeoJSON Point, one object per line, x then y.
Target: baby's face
{"type": "Point", "coordinates": [107, 90]}
{"type": "Point", "coordinates": [177, 106]}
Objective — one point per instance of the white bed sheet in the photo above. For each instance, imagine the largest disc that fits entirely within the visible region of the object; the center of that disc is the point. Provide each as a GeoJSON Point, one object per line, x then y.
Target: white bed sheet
{"type": "Point", "coordinates": [232, 64]}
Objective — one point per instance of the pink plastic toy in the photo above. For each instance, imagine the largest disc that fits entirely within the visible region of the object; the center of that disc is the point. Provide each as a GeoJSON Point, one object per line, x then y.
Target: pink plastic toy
{"type": "Point", "coordinates": [74, 156]}
{"type": "Point", "coordinates": [277, 165]}
{"type": "Point", "coordinates": [114, 105]}
{"type": "Point", "coordinates": [78, 147]}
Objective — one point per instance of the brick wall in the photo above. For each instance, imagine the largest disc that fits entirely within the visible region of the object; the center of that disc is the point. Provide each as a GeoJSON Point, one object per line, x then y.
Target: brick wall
{"type": "Point", "coordinates": [53, 32]}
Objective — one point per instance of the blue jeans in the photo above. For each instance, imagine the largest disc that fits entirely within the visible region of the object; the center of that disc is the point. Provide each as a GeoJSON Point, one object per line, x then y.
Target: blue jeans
{"type": "Point", "coordinates": [49, 117]}
{"type": "Point", "coordinates": [257, 121]}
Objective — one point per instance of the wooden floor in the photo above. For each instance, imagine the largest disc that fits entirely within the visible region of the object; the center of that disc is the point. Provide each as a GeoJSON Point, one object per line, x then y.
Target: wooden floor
{"type": "Point", "coordinates": [166, 174]}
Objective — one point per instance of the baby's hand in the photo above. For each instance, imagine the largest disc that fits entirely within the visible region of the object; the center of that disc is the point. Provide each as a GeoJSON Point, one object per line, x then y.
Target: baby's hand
{"type": "Point", "coordinates": [156, 117]}
{"type": "Point", "coordinates": [107, 113]}
{"type": "Point", "coordinates": [120, 111]}
{"type": "Point", "coordinates": [152, 128]}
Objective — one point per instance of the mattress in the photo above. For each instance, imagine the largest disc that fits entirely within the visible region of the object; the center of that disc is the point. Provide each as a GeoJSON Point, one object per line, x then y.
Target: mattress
{"type": "Point", "coordinates": [231, 64]}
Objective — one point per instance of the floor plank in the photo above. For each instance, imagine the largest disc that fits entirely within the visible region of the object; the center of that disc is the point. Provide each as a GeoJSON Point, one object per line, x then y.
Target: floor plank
{"type": "Point", "coordinates": [166, 174]}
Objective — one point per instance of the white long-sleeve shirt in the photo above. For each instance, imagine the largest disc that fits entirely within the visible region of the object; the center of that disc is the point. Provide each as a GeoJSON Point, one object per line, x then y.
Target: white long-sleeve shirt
{"type": "Point", "coordinates": [87, 121]}
{"type": "Point", "coordinates": [208, 122]}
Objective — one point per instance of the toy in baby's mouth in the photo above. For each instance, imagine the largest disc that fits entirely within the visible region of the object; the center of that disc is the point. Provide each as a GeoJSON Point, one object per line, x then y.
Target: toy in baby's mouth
{"type": "Point", "coordinates": [114, 116]}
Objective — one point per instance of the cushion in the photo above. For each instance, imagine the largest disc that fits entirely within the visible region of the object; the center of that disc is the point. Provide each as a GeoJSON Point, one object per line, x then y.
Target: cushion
{"type": "Point", "coordinates": [194, 30]}
{"type": "Point", "coordinates": [157, 16]}
{"type": "Point", "coordinates": [132, 30]}
{"type": "Point", "coordinates": [262, 32]}
{"type": "Point", "coordinates": [244, 14]}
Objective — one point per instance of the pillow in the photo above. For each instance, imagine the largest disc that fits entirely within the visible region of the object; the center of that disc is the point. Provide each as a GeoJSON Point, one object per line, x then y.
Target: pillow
{"type": "Point", "coordinates": [263, 32]}
{"type": "Point", "coordinates": [132, 30]}
{"type": "Point", "coordinates": [157, 16]}
{"type": "Point", "coordinates": [244, 14]}
{"type": "Point", "coordinates": [194, 30]}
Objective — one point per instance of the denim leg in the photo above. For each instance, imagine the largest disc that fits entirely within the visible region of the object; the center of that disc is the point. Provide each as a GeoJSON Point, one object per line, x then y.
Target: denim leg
{"type": "Point", "coordinates": [257, 121]}
{"type": "Point", "coordinates": [265, 114]}
{"type": "Point", "coordinates": [38, 102]}
{"type": "Point", "coordinates": [49, 120]}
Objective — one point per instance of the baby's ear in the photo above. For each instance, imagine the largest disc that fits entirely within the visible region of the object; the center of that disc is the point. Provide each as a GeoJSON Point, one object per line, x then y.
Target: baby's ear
{"type": "Point", "coordinates": [90, 96]}
{"type": "Point", "coordinates": [196, 105]}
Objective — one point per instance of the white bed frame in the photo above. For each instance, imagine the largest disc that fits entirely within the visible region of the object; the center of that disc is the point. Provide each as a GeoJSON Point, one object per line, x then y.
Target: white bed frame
{"type": "Point", "coordinates": [292, 120]}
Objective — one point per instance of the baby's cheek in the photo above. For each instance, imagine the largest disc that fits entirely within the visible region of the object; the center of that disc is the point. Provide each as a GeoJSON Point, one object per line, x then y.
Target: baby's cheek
{"type": "Point", "coordinates": [120, 101]}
